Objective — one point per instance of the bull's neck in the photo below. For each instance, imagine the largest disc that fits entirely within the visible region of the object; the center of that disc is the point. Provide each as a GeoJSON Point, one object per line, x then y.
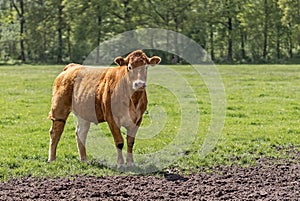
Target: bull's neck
{"type": "Point", "coordinates": [125, 93]}
{"type": "Point", "coordinates": [136, 96]}
{"type": "Point", "coordinates": [128, 91]}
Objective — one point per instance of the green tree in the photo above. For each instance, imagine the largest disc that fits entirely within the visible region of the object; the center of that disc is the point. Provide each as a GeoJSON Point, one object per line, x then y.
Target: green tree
{"type": "Point", "coordinates": [291, 20]}
{"type": "Point", "coordinates": [60, 31]}
{"type": "Point", "coordinates": [45, 31]}
{"type": "Point", "coordinates": [19, 7]}
{"type": "Point", "coordinates": [170, 15]}
{"type": "Point", "coordinates": [90, 22]}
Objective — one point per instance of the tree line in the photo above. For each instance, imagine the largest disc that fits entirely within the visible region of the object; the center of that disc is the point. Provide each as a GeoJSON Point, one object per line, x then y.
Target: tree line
{"type": "Point", "coordinates": [231, 31]}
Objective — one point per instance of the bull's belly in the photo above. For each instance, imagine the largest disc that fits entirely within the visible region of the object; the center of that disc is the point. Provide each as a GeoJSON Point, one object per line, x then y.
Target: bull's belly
{"type": "Point", "coordinates": [85, 110]}
{"type": "Point", "coordinates": [84, 92]}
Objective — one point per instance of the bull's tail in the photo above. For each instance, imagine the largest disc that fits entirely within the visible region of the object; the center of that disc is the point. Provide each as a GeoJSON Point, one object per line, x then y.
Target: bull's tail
{"type": "Point", "coordinates": [69, 66]}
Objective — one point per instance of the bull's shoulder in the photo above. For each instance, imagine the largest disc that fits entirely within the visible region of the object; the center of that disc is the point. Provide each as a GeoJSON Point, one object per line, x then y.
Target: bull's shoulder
{"type": "Point", "coordinates": [113, 75]}
{"type": "Point", "coordinates": [110, 76]}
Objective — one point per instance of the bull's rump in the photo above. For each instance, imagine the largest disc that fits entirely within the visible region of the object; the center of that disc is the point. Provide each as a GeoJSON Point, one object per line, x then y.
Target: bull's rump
{"type": "Point", "coordinates": [84, 93]}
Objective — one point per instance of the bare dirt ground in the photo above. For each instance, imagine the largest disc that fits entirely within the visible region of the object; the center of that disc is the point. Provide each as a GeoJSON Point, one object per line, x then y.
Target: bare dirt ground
{"type": "Point", "coordinates": [267, 180]}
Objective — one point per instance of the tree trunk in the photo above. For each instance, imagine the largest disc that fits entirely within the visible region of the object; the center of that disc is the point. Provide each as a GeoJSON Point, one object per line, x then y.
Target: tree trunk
{"type": "Point", "coordinates": [266, 21]}
{"type": "Point", "coordinates": [69, 42]}
{"type": "Point", "coordinates": [229, 49]}
{"type": "Point", "coordinates": [99, 22]}
{"type": "Point", "coordinates": [176, 59]}
{"type": "Point", "coordinates": [44, 55]}
{"type": "Point", "coordinates": [229, 30]}
{"type": "Point", "coordinates": [278, 42]}
{"type": "Point", "coordinates": [290, 38]}
{"type": "Point", "coordinates": [59, 32]}
{"type": "Point", "coordinates": [291, 45]}
{"type": "Point", "coordinates": [128, 25]}
{"type": "Point", "coordinates": [265, 46]}
{"type": "Point", "coordinates": [21, 16]}
{"type": "Point", "coordinates": [212, 50]}
{"type": "Point", "coordinates": [243, 51]}
{"type": "Point", "coordinates": [22, 24]}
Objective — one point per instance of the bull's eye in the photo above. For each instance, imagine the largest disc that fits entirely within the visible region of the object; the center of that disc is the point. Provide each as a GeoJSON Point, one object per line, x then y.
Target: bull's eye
{"type": "Point", "coordinates": [129, 67]}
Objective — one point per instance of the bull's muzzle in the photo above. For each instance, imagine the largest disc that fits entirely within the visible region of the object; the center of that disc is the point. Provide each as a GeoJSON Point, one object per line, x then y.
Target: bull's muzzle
{"type": "Point", "coordinates": [139, 84]}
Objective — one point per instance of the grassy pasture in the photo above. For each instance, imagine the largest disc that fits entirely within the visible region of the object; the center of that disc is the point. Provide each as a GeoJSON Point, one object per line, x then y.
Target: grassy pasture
{"type": "Point", "coordinates": [262, 114]}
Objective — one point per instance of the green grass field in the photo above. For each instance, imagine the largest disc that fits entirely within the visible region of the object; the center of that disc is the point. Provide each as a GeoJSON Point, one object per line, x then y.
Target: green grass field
{"type": "Point", "coordinates": [262, 114]}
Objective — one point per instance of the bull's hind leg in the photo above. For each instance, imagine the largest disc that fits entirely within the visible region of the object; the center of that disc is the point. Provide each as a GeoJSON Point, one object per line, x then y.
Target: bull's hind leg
{"type": "Point", "coordinates": [60, 110]}
{"type": "Point", "coordinates": [82, 129]}
{"type": "Point", "coordinates": [55, 133]}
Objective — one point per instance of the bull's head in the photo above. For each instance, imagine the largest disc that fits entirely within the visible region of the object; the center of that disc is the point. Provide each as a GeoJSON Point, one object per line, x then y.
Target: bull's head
{"type": "Point", "coordinates": [137, 64]}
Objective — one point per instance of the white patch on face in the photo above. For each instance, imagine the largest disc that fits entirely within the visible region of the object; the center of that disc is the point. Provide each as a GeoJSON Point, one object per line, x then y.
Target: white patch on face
{"type": "Point", "coordinates": [139, 75]}
{"type": "Point", "coordinates": [138, 84]}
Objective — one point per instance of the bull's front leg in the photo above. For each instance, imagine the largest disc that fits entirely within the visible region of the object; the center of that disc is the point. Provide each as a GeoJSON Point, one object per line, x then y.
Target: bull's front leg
{"type": "Point", "coordinates": [129, 157]}
{"type": "Point", "coordinates": [120, 159]}
{"type": "Point", "coordinates": [119, 142]}
{"type": "Point", "coordinates": [130, 142]}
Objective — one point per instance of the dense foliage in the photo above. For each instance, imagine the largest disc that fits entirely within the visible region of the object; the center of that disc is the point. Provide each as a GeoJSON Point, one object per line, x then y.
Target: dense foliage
{"type": "Point", "coordinates": [60, 31]}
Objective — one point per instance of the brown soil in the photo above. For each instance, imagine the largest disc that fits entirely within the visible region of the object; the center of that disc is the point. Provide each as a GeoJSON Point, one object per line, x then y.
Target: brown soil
{"type": "Point", "coordinates": [268, 180]}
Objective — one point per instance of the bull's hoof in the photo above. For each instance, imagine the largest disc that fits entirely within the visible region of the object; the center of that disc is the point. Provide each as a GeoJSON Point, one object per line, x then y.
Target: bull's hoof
{"type": "Point", "coordinates": [131, 164]}
{"type": "Point", "coordinates": [120, 166]}
{"type": "Point", "coordinates": [50, 160]}
{"type": "Point", "coordinates": [84, 160]}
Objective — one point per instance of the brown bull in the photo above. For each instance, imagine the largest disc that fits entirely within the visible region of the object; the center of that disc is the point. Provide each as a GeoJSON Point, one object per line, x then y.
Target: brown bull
{"type": "Point", "coordinates": [113, 95]}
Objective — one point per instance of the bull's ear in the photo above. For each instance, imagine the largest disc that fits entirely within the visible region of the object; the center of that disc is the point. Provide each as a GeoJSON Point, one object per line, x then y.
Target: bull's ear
{"type": "Point", "coordinates": [120, 61]}
{"type": "Point", "coordinates": [154, 60]}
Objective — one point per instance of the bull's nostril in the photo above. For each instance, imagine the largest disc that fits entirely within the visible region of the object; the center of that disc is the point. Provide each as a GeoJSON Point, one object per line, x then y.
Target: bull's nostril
{"type": "Point", "coordinates": [139, 85]}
